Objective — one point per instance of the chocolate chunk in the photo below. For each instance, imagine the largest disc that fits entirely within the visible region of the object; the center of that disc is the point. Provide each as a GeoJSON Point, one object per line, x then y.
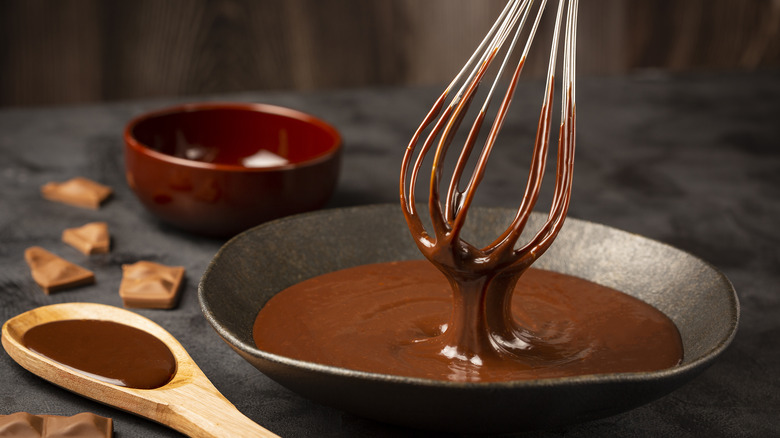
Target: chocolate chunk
{"type": "Point", "coordinates": [150, 285]}
{"type": "Point", "coordinates": [91, 238]}
{"type": "Point", "coordinates": [78, 191]}
{"type": "Point", "coordinates": [83, 425]}
{"type": "Point", "coordinates": [53, 273]}
{"type": "Point", "coordinates": [21, 425]}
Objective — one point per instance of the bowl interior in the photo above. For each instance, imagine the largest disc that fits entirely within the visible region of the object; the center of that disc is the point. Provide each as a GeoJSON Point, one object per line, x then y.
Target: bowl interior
{"type": "Point", "coordinates": [257, 264]}
{"type": "Point", "coordinates": [243, 135]}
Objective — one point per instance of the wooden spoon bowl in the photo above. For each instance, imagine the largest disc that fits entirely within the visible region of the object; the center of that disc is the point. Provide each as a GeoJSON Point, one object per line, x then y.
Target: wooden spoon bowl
{"type": "Point", "coordinates": [189, 402]}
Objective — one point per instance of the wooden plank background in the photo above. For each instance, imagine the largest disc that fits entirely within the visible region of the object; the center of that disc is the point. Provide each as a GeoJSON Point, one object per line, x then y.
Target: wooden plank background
{"type": "Point", "coordinates": [69, 51]}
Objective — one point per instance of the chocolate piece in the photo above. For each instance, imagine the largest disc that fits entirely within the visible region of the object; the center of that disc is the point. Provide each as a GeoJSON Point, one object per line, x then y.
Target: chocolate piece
{"type": "Point", "coordinates": [78, 191]}
{"type": "Point", "coordinates": [390, 318]}
{"type": "Point", "coordinates": [150, 285]}
{"type": "Point", "coordinates": [83, 425]}
{"type": "Point", "coordinates": [92, 238]}
{"type": "Point", "coordinates": [21, 425]}
{"type": "Point", "coordinates": [53, 273]}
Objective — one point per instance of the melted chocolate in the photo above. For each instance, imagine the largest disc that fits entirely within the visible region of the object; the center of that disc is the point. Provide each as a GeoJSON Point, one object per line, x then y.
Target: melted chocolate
{"type": "Point", "coordinates": [113, 353]}
{"type": "Point", "coordinates": [393, 318]}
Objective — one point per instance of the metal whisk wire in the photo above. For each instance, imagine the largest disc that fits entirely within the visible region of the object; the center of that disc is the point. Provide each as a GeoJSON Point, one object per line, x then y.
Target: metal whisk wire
{"type": "Point", "coordinates": [448, 217]}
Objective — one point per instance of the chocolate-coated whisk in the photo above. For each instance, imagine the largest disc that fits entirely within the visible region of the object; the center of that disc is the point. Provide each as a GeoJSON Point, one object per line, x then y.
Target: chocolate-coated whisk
{"type": "Point", "coordinates": [447, 218]}
{"type": "Point", "coordinates": [489, 273]}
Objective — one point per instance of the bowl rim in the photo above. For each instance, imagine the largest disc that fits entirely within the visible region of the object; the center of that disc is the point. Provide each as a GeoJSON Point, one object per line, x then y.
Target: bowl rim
{"type": "Point", "coordinates": [696, 365]}
{"type": "Point", "coordinates": [138, 147]}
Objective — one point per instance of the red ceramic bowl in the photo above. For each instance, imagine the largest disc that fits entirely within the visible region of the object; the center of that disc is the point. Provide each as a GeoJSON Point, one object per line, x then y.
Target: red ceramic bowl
{"type": "Point", "coordinates": [220, 168]}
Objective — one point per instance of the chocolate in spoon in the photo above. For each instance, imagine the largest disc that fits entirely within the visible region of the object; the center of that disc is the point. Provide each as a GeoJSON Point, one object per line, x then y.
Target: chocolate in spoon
{"type": "Point", "coordinates": [183, 397]}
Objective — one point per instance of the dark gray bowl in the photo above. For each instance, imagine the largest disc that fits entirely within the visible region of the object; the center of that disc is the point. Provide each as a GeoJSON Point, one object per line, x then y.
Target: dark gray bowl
{"type": "Point", "coordinates": [257, 264]}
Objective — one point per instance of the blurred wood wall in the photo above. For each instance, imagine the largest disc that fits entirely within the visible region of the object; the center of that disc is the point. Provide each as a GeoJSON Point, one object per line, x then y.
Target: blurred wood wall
{"type": "Point", "coordinates": [67, 51]}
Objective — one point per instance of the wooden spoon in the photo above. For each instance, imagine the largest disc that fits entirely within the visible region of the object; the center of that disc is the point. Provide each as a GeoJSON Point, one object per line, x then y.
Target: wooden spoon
{"type": "Point", "coordinates": [188, 403]}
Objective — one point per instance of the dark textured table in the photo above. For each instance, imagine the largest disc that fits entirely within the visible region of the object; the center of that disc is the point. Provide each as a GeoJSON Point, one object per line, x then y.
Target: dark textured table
{"type": "Point", "coordinates": [693, 161]}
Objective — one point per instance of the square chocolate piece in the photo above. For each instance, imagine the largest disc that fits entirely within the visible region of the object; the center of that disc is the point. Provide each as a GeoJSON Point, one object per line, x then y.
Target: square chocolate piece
{"type": "Point", "coordinates": [150, 285]}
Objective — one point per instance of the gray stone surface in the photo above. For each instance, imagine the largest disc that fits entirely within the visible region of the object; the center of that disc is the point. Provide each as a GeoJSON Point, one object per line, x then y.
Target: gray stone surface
{"type": "Point", "coordinates": [692, 161]}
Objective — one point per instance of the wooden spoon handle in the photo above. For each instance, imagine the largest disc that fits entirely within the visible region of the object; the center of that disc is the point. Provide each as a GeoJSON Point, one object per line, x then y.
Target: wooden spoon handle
{"type": "Point", "coordinates": [201, 411]}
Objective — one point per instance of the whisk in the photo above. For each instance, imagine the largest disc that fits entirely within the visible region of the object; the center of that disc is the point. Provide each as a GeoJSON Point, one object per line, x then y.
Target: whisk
{"type": "Point", "coordinates": [483, 278]}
